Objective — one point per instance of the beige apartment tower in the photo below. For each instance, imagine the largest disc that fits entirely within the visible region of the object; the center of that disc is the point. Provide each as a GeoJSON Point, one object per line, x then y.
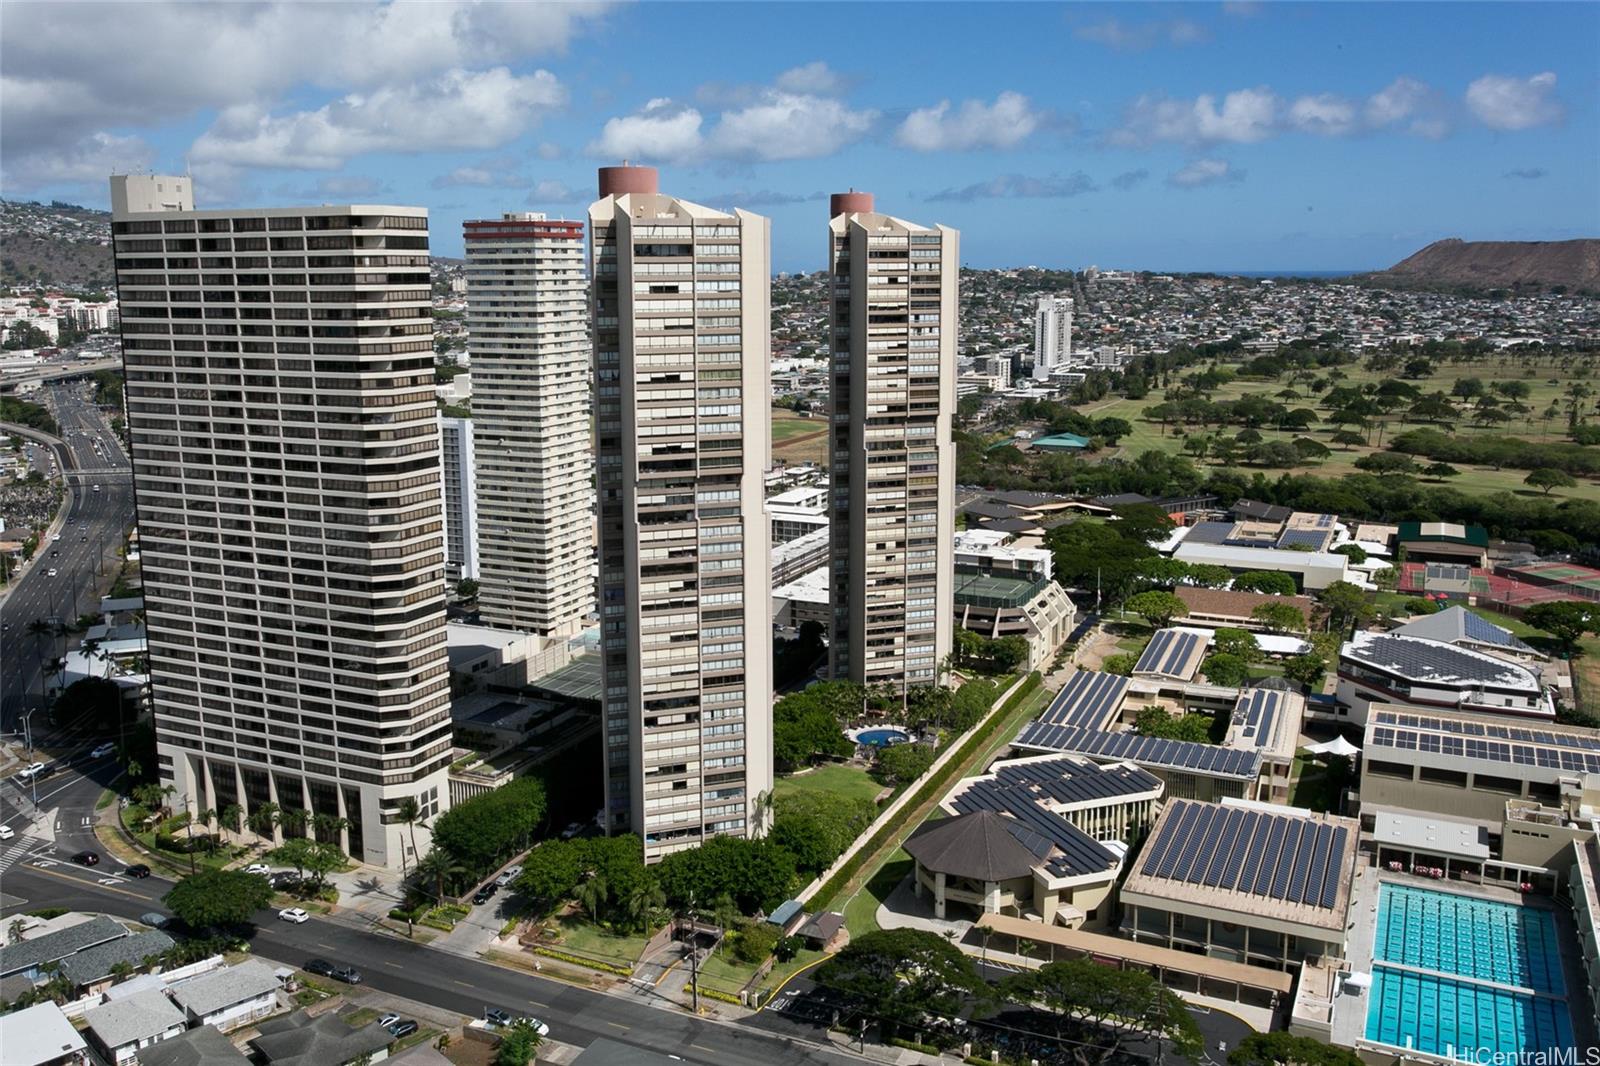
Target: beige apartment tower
{"type": "Point", "coordinates": [681, 318]}
{"type": "Point", "coordinates": [892, 515]}
{"type": "Point", "coordinates": [529, 349]}
{"type": "Point", "coordinates": [285, 445]}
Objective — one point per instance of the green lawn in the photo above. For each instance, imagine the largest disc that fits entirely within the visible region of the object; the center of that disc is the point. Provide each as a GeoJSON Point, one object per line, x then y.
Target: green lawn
{"type": "Point", "coordinates": [582, 937]}
{"type": "Point", "coordinates": [787, 424]}
{"type": "Point", "coordinates": [861, 913]}
{"type": "Point", "coordinates": [837, 779]}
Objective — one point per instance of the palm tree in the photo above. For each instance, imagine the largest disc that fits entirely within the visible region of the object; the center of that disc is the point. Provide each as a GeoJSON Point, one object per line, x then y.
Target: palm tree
{"type": "Point", "coordinates": [293, 820]}
{"type": "Point", "coordinates": [591, 895]}
{"type": "Point", "coordinates": [205, 816]}
{"type": "Point", "coordinates": [725, 912]}
{"type": "Point", "coordinates": [230, 817]}
{"type": "Point", "coordinates": [329, 826]}
{"type": "Point", "coordinates": [264, 820]}
{"type": "Point", "coordinates": [644, 902]}
{"type": "Point", "coordinates": [121, 970]}
{"type": "Point", "coordinates": [441, 866]}
{"type": "Point", "coordinates": [408, 812]}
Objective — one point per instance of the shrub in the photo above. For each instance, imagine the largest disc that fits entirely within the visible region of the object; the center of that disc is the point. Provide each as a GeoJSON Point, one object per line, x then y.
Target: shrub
{"type": "Point", "coordinates": [755, 941]}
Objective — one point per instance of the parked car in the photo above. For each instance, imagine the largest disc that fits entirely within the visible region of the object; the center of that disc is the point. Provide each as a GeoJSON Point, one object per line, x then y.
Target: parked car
{"type": "Point", "coordinates": [6, 832]}
{"type": "Point", "coordinates": [296, 915]}
{"type": "Point", "coordinates": [508, 875]}
{"type": "Point", "coordinates": [52, 572]}
{"type": "Point", "coordinates": [284, 880]}
{"type": "Point", "coordinates": [138, 871]}
{"type": "Point", "coordinates": [155, 919]}
{"type": "Point", "coordinates": [320, 967]}
{"type": "Point", "coordinates": [497, 1017]}
{"type": "Point", "coordinates": [259, 868]}
{"type": "Point", "coordinates": [30, 769]}
{"type": "Point", "coordinates": [572, 830]}
{"type": "Point", "coordinates": [87, 858]}
{"type": "Point", "coordinates": [388, 1019]}
{"type": "Point", "coordinates": [103, 750]}
{"type": "Point", "coordinates": [486, 893]}
{"type": "Point", "coordinates": [402, 1028]}
{"type": "Point", "coordinates": [348, 974]}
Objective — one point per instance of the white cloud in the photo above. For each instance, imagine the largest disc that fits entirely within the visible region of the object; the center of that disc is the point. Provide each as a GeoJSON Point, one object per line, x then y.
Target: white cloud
{"type": "Point", "coordinates": [502, 172]}
{"type": "Point", "coordinates": [787, 125]}
{"type": "Point", "coordinates": [1137, 36]}
{"type": "Point", "coordinates": [549, 150]}
{"type": "Point", "coordinates": [459, 109]}
{"type": "Point", "coordinates": [1243, 117]}
{"type": "Point", "coordinates": [79, 69]}
{"type": "Point", "coordinates": [662, 131]}
{"type": "Point", "coordinates": [815, 78]}
{"type": "Point", "coordinates": [1204, 172]}
{"type": "Point", "coordinates": [87, 162]}
{"type": "Point", "coordinates": [1006, 123]}
{"type": "Point", "coordinates": [1021, 186]}
{"type": "Point", "coordinates": [553, 192]}
{"type": "Point", "coordinates": [1504, 103]}
{"type": "Point", "coordinates": [1325, 114]}
{"type": "Point", "coordinates": [1409, 103]}
{"type": "Point", "coordinates": [347, 188]}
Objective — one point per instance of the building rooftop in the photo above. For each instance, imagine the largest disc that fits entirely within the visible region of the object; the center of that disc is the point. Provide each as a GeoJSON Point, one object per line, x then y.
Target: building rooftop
{"type": "Point", "coordinates": [52, 947]}
{"type": "Point", "coordinates": [1457, 624]}
{"type": "Point", "coordinates": [1236, 604]}
{"type": "Point", "coordinates": [301, 1040]}
{"type": "Point", "coordinates": [93, 964]}
{"type": "Point", "coordinates": [223, 988]}
{"type": "Point", "coordinates": [1209, 760]}
{"type": "Point", "coordinates": [996, 590]}
{"type": "Point", "coordinates": [38, 1034]}
{"type": "Point", "coordinates": [1266, 512]}
{"type": "Point", "coordinates": [1089, 699]}
{"type": "Point", "coordinates": [579, 679]}
{"type": "Point", "coordinates": [1252, 859]}
{"type": "Point", "coordinates": [1484, 740]}
{"type": "Point", "coordinates": [981, 845]}
{"type": "Point", "coordinates": [1267, 720]}
{"type": "Point", "coordinates": [1444, 533]}
{"type": "Point", "coordinates": [1431, 833]}
{"type": "Point", "coordinates": [1173, 653]}
{"type": "Point", "coordinates": [1434, 662]}
{"type": "Point", "coordinates": [1055, 782]}
{"type": "Point", "coordinates": [201, 1046]}
{"type": "Point", "coordinates": [138, 1017]}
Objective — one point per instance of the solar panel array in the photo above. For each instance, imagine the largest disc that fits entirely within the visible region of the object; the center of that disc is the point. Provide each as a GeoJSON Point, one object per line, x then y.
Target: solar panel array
{"type": "Point", "coordinates": [1257, 712]}
{"type": "Point", "coordinates": [1486, 632]}
{"type": "Point", "coordinates": [1159, 752]}
{"type": "Point", "coordinates": [1070, 780]}
{"type": "Point", "coordinates": [1282, 857]}
{"type": "Point", "coordinates": [1168, 652]}
{"type": "Point", "coordinates": [1072, 851]}
{"type": "Point", "coordinates": [1489, 742]}
{"type": "Point", "coordinates": [1417, 658]}
{"type": "Point", "coordinates": [1314, 539]}
{"type": "Point", "coordinates": [1088, 699]}
{"type": "Point", "coordinates": [1447, 571]}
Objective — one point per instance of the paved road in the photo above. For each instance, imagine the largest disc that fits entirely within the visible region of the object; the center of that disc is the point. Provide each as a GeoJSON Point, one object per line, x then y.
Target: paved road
{"type": "Point", "coordinates": [84, 558]}
{"type": "Point", "coordinates": [36, 877]}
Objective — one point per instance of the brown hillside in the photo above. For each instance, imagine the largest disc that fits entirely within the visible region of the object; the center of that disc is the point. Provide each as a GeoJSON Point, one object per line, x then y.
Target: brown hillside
{"type": "Point", "coordinates": [1500, 265]}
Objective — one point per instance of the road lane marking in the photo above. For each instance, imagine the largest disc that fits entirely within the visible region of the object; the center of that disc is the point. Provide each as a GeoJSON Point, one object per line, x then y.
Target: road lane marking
{"type": "Point", "coordinates": [87, 884]}
{"type": "Point", "coordinates": [618, 1025]}
{"type": "Point", "coordinates": [702, 1047]}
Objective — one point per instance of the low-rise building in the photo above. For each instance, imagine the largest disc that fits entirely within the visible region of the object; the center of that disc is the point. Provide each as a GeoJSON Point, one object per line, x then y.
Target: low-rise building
{"type": "Point", "coordinates": [40, 1035]}
{"type": "Point", "coordinates": [1173, 654]}
{"type": "Point", "coordinates": [195, 1047]}
{"type": "Point", "coordinates": [1225, 608]}
{"type": "Point", "coordinates": [121, 1027]}
{"type": "Point", "coordinates": [1112, 803]}
{"type": "Point", "coordinates": [94, 969]}
{"type": "Point", "coordinates": [1443, 542]}
{"type": "Point", "coordinates": [1464, 629]}
{"type": "Point", "coordinates": [1244, 882]}
{"type": "Point", "coordinates": [229, 998]}
{"type": "Point", "coordinates": [30, 957]}
{"type": "Point", "coordinates": [795, 512]}
{"type": "Point", "coordinates": [1312, 571]}
{"type": "Point", "coordinates": [1429, 675]}
{"type": "Point", "coordinates": [325, 1040]}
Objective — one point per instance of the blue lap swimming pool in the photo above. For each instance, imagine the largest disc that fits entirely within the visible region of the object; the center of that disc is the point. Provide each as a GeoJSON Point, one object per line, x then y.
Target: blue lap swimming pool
{"type": "Point", "coordinates": [1454, 974]}
{"type": "Point", "coordinates": [882, 738]}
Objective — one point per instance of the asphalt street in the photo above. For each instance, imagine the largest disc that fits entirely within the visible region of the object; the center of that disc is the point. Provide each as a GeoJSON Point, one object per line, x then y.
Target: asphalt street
{"type": "Point", "coordinates": [84, 558]}
{"type": "Point", "coordinates": [402, 968]}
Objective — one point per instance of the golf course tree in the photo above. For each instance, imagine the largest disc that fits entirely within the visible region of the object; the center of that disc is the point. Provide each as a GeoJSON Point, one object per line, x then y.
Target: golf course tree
{"type": "Point", "coordinates": [897, 976]}
{"type": "Point", "coordinates": [1107, 1010]}
{"type": "Point", "coordinates": [218, 898]}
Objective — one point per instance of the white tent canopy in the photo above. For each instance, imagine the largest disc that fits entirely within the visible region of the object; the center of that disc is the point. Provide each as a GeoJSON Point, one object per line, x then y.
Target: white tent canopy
{"type": "Point", "coordinates": [1336, 746]}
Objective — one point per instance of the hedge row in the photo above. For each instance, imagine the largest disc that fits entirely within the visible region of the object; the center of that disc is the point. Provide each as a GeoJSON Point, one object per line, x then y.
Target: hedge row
{"type": "Point", "coordinates": [927, 788]}
{"type": "Point", "coordinates": [726, 997]}
{"type": "Point", "coordinates": [578, 960]}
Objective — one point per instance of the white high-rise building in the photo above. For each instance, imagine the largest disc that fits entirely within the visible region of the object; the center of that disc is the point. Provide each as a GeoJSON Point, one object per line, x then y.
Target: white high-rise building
{"type": "Point", "coordinates": [529, 348]}
{"type": "Point", "coordinates": [1052, 335]}
{"type": "Point", "coordinates": [682, 337]}
{"type": "Point", "coordinates": [894, 321]}
{"type": "Point", "coordinates": [285, 447]}
{"type": "Point", "coordinates": [460, 499]}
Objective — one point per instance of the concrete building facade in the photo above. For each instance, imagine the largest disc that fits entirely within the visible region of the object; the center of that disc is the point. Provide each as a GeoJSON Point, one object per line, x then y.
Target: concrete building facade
{"type": "Point", "coordinates": [530, 413]}
{"type": "Point", "coordinates": [1052, 335]}
{"type": "Point", "coordinates": [460, 499]}
{"type": "Point", "coordinates": [285, 448]}
{"type": "Point", "coordinates": [681, 317]}
{"type": "Point", "coordinates": [893, 393]}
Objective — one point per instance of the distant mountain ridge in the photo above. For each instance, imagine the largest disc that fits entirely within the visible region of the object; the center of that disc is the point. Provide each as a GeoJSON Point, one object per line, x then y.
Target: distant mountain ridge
{"type": "Point", "coordinates": [1454, 263]}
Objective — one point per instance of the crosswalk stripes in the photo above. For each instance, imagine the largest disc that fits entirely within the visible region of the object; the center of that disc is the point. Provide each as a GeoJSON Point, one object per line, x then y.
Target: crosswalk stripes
{"type": "Point", "coordinates": [21, 848]}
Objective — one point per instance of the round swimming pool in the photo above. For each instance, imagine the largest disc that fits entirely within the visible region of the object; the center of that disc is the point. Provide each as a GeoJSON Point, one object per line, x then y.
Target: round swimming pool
{"type": "Point", "coordinates": [882, 738]}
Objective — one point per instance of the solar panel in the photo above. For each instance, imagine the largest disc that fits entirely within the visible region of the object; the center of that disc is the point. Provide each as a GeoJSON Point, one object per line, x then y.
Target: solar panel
{"type": "Point", "coordinates": [1305, 867]}
{"type": "Point", "coordinates": [1286, 862]}
{"type": "Point", "coordinates": [1252, 859]}
{"type": "Point", "coordinates": [1223, 857]}
{"type": "Point", "coordinates": [1335, 870]}
{"type": "Point", "coordinates": [1233, 848]}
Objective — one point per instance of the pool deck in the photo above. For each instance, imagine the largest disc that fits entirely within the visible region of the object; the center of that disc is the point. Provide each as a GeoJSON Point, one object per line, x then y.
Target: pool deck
{"type": "Point", "coordinates": [1350, 1011]}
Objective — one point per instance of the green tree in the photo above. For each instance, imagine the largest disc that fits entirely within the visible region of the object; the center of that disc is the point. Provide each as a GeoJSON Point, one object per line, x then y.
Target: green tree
{"type": "Point", "coordinates": [1308, 669]}
{"type": "Point", "coordinates": [486, 830]}
{"type": "Point", "coordinates": [1346, 604]}
{"type": "Point", "coordinates": [1110, 1008]}
{"type": "Point", "coordinates": [1271, 582]}
{"type": "Point", "coordinates": [218, 898]}
{"type": "Point", "coordinates": [519, 1043]}
{"type": "Point", "coordinates": [1157, 608]}
{"type": "Point", "coordinates": [1279, 617]}
{"type": "Point", "coordinates": [1284, 1049]}
{"type": "Point", "coordinates": [1008, 654]}
{"type": "Point", "coordinates": [1548, 478]}
{"type": "Point", "coordinates": [1236, 642]}
{"type": "Point", "coordinates": [900, 764]}
{"type": "Point", "coordinates": [1158, 722]}
{"type": "Point", "coordinates": [1347, 439]}
{"type": "Point", "coordinates": [1122, 664]}
{"type": "Point", "coordinates": [309, 856]}
{"type": "Point", "coordinates": [1352, 551]}
{"type": "Point", "coordinates": [1224, 669]}
{"type": "Point", "coordinates": [551, 872]}
{"type": "Point", "coordinates": [592, 894]}
{"type": "Point", "coordinates": [1440, 471]}
{"type": "Point", "coordinates": [757, 874]}
{"type": "Point", "coordinates": [409, 811]}
{"type": "Point", "coordinates": [897, 975]}
{"type": "Point", "coordinates": [443, 869]}
{"type": "Point", "coordinates": [1566, 620]}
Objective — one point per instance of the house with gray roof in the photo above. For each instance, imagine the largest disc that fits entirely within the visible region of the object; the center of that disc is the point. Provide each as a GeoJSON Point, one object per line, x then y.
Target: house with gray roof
{"type": "Point", "coordinates": [40, 1035]}
{"type": "Point", "coordinates": [326, 1040]}
{"type": "Point", "coordinates": [120, 1028]}
{"type": "Point", "coordinates": [229, 997]}
{"type": "Point", "coordinates": [31, 956]}
{"type": "Point", "coordinates": [197, 1047]}
{"type": "Point", "coordinates": [92, 970]}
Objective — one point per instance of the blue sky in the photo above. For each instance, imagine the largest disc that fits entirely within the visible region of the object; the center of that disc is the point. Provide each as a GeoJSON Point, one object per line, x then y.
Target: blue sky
{"type": "Point", "coordinates": [1195, 136]}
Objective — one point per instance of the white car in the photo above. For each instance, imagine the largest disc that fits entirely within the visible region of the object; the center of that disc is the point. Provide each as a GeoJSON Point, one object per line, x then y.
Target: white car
{"type": "Point", "coordinates": [6, 832]}
{"type": "Point", "coordinates": [103, 750]}
{"type": "Point", "coordinates": [52, 572]}
{"type": "Point", "coordinates": [28, 771]}
{"type": "Point", "coordinates": [258, 868]}
{"type": "Point", "coordinates": [56, 537]}
{"type": "Point", "coordinates": [294, 914]}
